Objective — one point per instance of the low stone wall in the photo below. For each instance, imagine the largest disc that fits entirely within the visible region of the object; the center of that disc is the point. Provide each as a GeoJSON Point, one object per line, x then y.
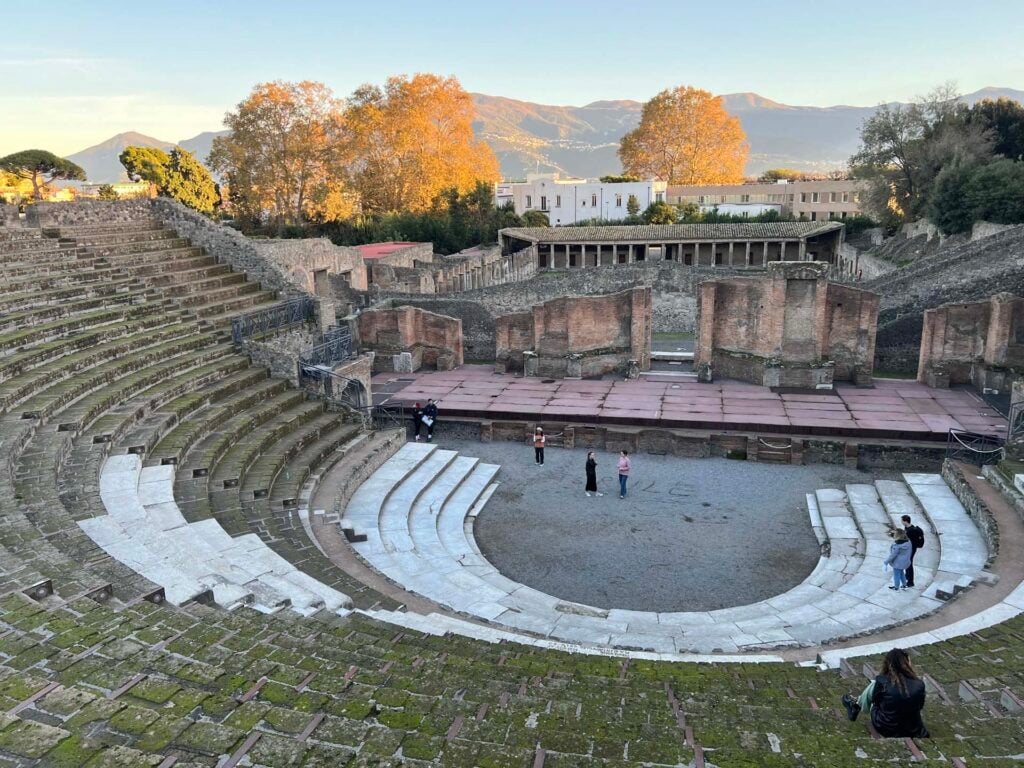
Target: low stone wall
{"type": "Point", "coordinates": [9, 215]}
{"type": "Point", "coordinates": [280, 352]}
{"type": "Point", "coordinates": [982, 229]}
{"type": "Point", "coordinates": [87, 212]}
{"type": "Point", "coordinates": [228, 245]}
{"type": "Point", "coordinates": [302, 260]}
{"type": "Point", "coordinates": [975, 506]}
{"type": "Point", "coordinates": [382, 446]}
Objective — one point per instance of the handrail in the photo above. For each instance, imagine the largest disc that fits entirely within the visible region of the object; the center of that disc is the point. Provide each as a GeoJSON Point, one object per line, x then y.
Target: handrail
{"type": "Point", "coordinates": [289, 312]}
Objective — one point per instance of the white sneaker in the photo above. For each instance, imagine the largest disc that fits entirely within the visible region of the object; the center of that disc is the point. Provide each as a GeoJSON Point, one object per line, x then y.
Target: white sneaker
{"type": "Point", "coordinates": [600, 494]}
{"type": "Point", "coordinates": [588, 494]}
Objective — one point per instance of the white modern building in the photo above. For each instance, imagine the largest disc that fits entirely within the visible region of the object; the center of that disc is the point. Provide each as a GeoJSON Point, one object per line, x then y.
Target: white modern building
{"type": "Point", "coordinates": [567, 201]}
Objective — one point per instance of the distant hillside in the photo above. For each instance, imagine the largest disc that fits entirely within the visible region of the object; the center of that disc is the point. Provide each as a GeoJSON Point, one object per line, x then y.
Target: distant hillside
{"type": "Point", "coordinates": [584, 141]}
{"type": "Point", "coordinates": [101, 162]}
{"type": "Point", "coordinates": [200, 145]}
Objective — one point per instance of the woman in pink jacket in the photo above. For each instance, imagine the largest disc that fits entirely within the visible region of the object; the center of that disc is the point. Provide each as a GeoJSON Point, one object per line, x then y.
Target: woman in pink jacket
{"type": "Point", "coordinates": [623, 473]}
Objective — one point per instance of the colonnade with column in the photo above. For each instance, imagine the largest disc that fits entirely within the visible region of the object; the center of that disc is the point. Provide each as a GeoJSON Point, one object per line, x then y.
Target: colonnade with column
{"type": "Point", "coordinates": [726, 253]}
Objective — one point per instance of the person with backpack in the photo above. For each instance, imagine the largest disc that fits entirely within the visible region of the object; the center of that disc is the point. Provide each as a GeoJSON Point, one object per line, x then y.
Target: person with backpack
{"type": "Point", "coordinates": [538, 446]}
{"type": "Point", "coordinates": [916, 538]}
{"type": "Point", "coordinates": [894, 699]}
{"type": "Point", "coordinates": [899, 559]}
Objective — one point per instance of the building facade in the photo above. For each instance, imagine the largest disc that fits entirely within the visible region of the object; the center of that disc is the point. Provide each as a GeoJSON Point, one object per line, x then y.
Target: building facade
{"type": "Point", "coordinates": [808, 200]}
{"type": "Point", "coordinates": [752, 245]}
{"type": "Point", "coordinates": [567, 201]}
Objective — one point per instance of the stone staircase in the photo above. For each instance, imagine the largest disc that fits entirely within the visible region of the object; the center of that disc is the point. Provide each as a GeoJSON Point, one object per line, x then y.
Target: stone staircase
{"type": "Point", "coordinates": [417, 514]}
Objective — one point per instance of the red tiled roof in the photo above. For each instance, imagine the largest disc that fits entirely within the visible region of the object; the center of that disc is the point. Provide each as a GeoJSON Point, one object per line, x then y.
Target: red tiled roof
{"type": "Point", "coordinates": [377, 250]}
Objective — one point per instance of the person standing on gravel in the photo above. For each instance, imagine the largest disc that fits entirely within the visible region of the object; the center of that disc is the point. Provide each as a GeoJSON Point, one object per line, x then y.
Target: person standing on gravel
{"type": "Point", "coordinates": [899, 559]}
{"type": "Point", "coordinates": [624, 467]}
{"type": "Point", "coordinates": [916, 538]}
{"type": "Point", "coordinates": [591, 488]}
{"type": "Point", "coordinates": [538, 446]}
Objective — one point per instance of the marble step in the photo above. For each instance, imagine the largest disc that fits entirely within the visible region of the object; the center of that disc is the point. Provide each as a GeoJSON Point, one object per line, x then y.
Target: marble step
{"type": "Point", "coordinates": [144, 529]}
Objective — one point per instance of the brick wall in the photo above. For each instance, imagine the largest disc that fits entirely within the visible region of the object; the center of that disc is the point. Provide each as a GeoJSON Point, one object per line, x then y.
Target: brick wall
{"type": "Point", "coordinates": [607, 331]}
{"type": "Point", "coordinates": [673, 298]}
{"type": "Point", "coordinates": [9, 215]}
{"type": "Point", "coordinates": [434, 340]}
{"type": "Point", "coordinates": [959, 341]}
{"type": "Point", "coordinates": [789, 328]}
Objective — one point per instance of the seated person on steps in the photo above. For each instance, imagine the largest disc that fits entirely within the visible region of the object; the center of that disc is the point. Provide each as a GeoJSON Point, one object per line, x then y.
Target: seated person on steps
{"type": "Point", "coordinates": [894, 699]}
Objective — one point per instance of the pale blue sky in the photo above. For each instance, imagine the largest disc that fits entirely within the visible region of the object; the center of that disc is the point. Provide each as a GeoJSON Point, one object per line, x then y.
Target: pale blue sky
{"type": "Point", "coordinates": [79, 72]}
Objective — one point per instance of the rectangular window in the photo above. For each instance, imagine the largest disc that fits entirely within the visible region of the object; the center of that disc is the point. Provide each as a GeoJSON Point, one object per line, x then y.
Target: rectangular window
{"type": "Point", "coordinates": [846, 197]}
{"type": "Point", "coordinates": [803, 197]}
{"type": "Point", "coordinates": [543, 203]}
{"type": "Point", "coordinates": [832, 197]}
{"type": "Point", "coordinates": [814, 197]}
{"type": "Point", "coordinates": [659, 197]}
{"type": "Point", "coordinates": [529, 201]}
{"type": "Point", "coordinates": [814, 216]}
{"type": "Point", "coordinates": [593, 201]}
{"type": "Point", "coordinates": [558, 201]}
{"type": "Point", "coordinates": [744, 198]}
{"type": "Point", "coordinates": [618, 201]}
{"type": "Point", "coordinates": [700, 198]}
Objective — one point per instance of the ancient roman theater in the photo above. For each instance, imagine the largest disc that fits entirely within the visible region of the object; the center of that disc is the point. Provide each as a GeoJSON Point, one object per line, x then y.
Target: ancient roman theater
{"type": "Point", "coordinates": [236, 532]}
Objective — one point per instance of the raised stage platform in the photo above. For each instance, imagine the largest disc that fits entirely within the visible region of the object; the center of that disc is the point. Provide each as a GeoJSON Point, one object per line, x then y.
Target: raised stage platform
{"type": "Point", "coordinates": [892, 409]}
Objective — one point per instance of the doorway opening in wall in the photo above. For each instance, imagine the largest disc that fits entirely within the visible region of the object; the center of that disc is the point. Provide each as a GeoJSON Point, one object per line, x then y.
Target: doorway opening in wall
{"type": "Point", "coordinates": [321, 283]}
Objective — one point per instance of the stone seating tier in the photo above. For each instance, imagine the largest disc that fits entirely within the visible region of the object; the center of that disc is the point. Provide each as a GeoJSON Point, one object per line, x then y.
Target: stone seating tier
{"type": "Point", "coordinates": [138, 685]}
{"type": "Point", "coordinates": [120, 681]}
{"type": "Point", "coordinates": [417, 513]}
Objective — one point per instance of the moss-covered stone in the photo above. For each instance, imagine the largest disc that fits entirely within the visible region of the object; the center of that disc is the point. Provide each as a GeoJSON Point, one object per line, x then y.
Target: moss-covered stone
{"type": "Point", "coordinates": [134, 720]}
{"type": "Point", "coordinates": [31, 739]}
{"type": "Point", "coordinates": [209, 738]}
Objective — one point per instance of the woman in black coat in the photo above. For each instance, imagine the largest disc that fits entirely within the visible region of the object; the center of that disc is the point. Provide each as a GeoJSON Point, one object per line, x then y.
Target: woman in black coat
{"type": "Point", "coordinates": [592, 475]}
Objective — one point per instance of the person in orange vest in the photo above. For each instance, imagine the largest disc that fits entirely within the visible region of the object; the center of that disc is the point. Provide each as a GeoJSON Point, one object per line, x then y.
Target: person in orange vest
{"type": "Point", "coordinates": [538, 446]}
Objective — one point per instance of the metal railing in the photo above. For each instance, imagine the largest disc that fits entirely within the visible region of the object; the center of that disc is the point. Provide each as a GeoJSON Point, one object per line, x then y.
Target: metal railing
{"type": "Point", "coordinates": [336, 347]}
{"type": "Point", "coordinates": [297, 310]}
{"type": "Point", "coordinates": [973, 447]}
{"type": "Point", "coordinates": [1015, 422]}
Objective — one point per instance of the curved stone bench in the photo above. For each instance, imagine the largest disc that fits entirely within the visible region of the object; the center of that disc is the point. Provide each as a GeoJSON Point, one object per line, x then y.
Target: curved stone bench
{"type": "Point", "coordinates": [145, 530]}
{"type": "Point", "coordinates": [419, 534]}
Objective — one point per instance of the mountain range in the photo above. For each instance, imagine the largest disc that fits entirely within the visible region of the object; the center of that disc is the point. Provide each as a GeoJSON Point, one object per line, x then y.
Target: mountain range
{"type": "Point", "coordinates": [584, 141]}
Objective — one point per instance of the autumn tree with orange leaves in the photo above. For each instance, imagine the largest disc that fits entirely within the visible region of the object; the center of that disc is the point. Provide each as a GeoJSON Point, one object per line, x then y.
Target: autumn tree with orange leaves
{"type": "Point", "coordinates": [411, 139]}
{"type": "Point", "coordinates": [685, 136]}
{"type": "Point", "coordinates": [281, 159]}
{"type": "Point", "coordinates": [297, 154]}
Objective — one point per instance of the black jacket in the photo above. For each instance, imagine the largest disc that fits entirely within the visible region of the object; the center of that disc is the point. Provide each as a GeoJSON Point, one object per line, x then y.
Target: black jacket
{"type": "Point", "coordinates": [896, 713]}
{"type": "Point", "coordinates": [430, 409]}
{"type": "Point", "coordinates": [916, 536]}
